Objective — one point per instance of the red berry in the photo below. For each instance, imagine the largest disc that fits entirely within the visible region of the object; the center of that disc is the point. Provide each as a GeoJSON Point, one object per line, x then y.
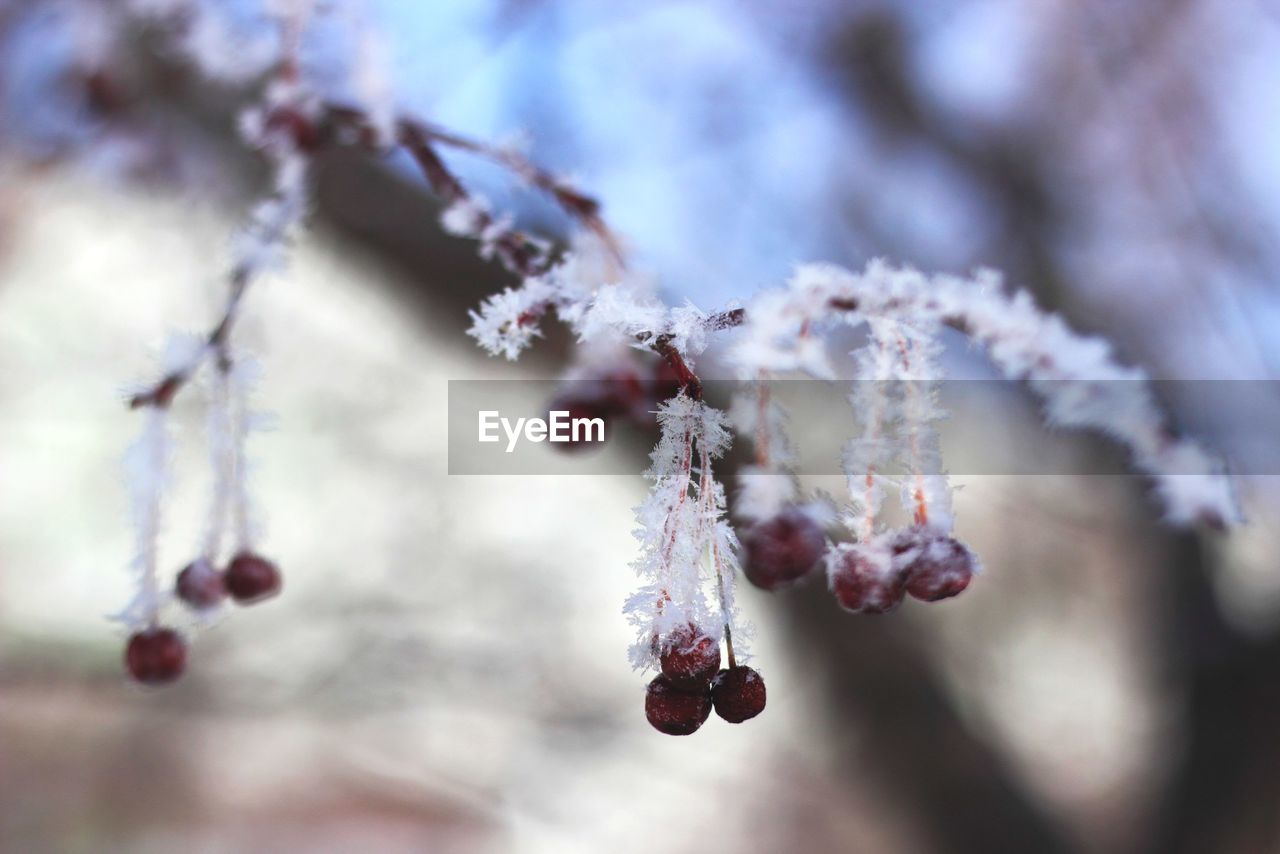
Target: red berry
{"type": "Point", "coordinates": [935, 566]}
{"type": "Point", "coordinates": [864, 585]}
{"type": "Point", "coordinates": [251, 578]}
{"type": "Point", "coordinates": [583, 406]}
{"type": "Point", "coordinates": [673, 711]}
{"type": "Point", "coordinates": [781, 550]}
{"type": "Point", "coordinates": [690, 658]}
{"type": "Point", "coordinates": [200, 586]}
{"type": "Point", "coordinates": [155, 656]}
{"type": "Point", "coordinates": [738, 694]}
{"type": "Point", "coordinates": [610, 396]}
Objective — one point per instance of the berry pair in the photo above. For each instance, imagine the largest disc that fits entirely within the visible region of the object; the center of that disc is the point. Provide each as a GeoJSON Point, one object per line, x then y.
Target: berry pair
{"type": "Point", "coordinates": [927, 565]}
{"type": "Point", "coordinates": [679, 700]}
{"type": "Point", "coordinates": [247, 579]}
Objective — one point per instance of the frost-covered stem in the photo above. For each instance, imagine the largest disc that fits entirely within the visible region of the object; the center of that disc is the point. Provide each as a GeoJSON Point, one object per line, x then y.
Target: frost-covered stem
{"type": "Point", "coordinates": [222, 453]}
{"type": "Point", "coordinates": [156, 448]}
{"type": "Point", "coordinates": [273, 127]}
{"type": "Point", "coordinates": [911, 394]}
{"type": "Point", "coordinates": [663, 346]}
{"type": "Point", "coordinates": [873, 431]}
{"type": "Point", "coordinates": [146, 470]}
{"type": "Point", "coordinates": [674, 527]}
{"type": "Point", "coordinates": [578, 205]}
{"type": "Point", "coordinates": [869, 455]}
{"type": "Point", "coordinates": [671, 531]}
{"type": "Point", "coordinates": [724, 604]}
{"type": "Point", "coordinates": [229, 431]}
{"type": "Point", "coordinates": [710, 515]}
{"type": "Point", "coordinates": [421, 137]}
{"type": "Point", "coordinates": [162, 392]}
{"type": "Point", "coordinates": [1077, 377]}
{"type": "Point", "coordinates": [240, 485]}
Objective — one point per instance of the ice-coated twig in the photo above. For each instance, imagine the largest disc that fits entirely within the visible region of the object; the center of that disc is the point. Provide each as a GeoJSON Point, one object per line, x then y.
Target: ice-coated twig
{"type": "Point", "coordinates": [674, 530]}
{"type": "Point", "coordinates": [147, 473]}
{"type": "Point", "coordinates": [870, 455]}
{"type": "Point", "coordinates": [723, 557]}
{"type": "Point", "coordinates": [1078, 379]}
{"type": "Point", "coordinates": [769, 484]}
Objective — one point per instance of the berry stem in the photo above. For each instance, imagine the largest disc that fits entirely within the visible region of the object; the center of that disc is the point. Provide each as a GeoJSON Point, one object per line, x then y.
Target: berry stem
{"type": "Point", "coordinates": [686, 468]}
{"type": "Point", "coordinates": [238, 417]}
{"type": "Point", "coordinates": [706, 492]}
{"type": "Point", "coordinates": [222, 432]}
{"type": "Point", "coordinates": [151, 526]}
{"type": "Point", "coordinates": [161, 394]}
{"type": "Point", "coordinates": [874, 402]}
{"type": "Point", "coordinates": [911, 391]}
{"type": "Point", "coordinates": [724, 606]}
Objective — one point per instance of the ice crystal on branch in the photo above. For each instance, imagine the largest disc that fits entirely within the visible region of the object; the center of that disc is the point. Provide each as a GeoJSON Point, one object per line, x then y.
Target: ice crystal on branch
{"type": "Point", "coordinates": [507, 322]}
{"type": "Point", "coordinates": [147, 472]}
{"type": "Point", "coordinates": [231, 420]}
{"type": "Point", "coordinates": [871, 455]}
{"type": "Point", "coordinates": [1077, 377]}
{"type": "Point", "coordinates": [686, 548]}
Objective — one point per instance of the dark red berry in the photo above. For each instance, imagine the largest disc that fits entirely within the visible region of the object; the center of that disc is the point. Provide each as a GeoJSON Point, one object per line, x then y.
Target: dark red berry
{"type": "Point", "coordinates": [738, 694]}
{"type": "Point", "coordinates": [588, 435]}
{"type": "Point", "coordinates": [251, 578]}
{"type": "Point", "coordinates": [200, 586]}
{"type": "Point", "coordinates": [673, 711]}
{"type": "Point", "coordinates": [781, 550]}
{"type": "Point", "coordinates": [690, 658]}
{"type": "Point", "coordinates": [935, 566]}
{"type": "Point", "coordinates": [610, 396]}
{"type": "Point", "coordinates": [864, 585]}
{"type": "Point", "coordinates": [155, 656]}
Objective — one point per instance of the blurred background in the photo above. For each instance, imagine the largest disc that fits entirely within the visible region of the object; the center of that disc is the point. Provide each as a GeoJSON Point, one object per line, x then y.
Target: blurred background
{"type": "Point", "coordinates": [447, 671]}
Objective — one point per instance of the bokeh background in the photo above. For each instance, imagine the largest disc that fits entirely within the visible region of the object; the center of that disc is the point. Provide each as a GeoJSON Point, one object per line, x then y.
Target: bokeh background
{"type": "Point", "coordinates": [447, 670]}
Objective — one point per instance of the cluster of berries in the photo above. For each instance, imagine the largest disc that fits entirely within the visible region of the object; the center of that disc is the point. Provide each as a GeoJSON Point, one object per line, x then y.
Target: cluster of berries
{"type": "Point", "coordinates": [157, 655]}
{"type": "Point", "coordinates": [679, 699]}
{"type": "Point", "coordinates": [866, 578]}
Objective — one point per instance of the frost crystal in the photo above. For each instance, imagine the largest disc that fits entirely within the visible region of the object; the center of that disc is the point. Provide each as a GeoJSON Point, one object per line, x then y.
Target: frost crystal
{"type": "Point", "coordinates": [146, 465]}
{"type": "Point", "coordinates": [1077, 377]}
{"type": "Point", "coordinates": [507, 322]}
{"type": "Point", "coordinates": [686, 546]}
{"type": "Point", "coordinates": [230, 421]}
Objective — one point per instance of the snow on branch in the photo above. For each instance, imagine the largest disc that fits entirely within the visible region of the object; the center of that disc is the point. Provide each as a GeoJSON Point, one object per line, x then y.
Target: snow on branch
{"type": "Point", "coordinates": [1077, 377]}
{"type": "Point", "coordinates": [680, 528]}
